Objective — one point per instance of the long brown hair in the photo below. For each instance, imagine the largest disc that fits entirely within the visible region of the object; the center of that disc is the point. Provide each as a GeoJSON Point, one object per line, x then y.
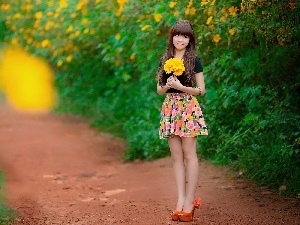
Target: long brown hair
{"type": "Point", "coordinates": [181, 27]}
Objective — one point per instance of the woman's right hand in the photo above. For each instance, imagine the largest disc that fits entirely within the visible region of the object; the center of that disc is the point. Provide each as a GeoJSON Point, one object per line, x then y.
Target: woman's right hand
{"type": "Point", "coordinates": [170, 81]}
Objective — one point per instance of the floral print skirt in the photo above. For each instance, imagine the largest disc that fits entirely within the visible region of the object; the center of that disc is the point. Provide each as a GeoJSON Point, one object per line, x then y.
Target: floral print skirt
{"type": "Point", "coordinates": [181, 115]}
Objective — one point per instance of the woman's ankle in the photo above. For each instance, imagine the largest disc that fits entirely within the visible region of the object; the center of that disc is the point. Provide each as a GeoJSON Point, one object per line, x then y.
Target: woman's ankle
{"type": "Point", "coordinates": [188, 205]}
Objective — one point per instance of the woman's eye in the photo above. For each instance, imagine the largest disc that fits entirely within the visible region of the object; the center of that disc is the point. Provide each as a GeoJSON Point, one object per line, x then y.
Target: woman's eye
{"type": "Point", "coordinates": [185, 36]}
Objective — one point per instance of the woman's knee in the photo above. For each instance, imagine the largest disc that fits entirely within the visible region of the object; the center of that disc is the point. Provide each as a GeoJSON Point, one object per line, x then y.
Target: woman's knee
{"type": "Point", "coordinates": [190, 155]}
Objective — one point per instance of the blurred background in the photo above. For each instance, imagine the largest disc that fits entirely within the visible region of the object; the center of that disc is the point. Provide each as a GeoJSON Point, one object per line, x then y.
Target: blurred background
{"type": "Point", "coordinates": [98, 59]}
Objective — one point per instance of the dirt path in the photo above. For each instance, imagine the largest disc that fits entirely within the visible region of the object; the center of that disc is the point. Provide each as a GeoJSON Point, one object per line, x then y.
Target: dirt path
{"type": "Point", "coordinates": [60, 171]}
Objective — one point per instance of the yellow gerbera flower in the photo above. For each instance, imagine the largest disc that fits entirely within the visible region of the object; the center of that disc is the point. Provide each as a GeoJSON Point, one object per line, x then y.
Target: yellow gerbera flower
{"type": "Point", "coordinates": [216, 38]}
{"type": "Point", "coordinates": [233, 10]}
{"type": "Point", "coordinates": [69, 58]}
{"type": "Point", "coordinates": [172, 4]}
{"type": "Point", "coordinates": [204, 2]}
{"type": "Point", "coordinates": [232, 31]}
{"type": "Point", "coordinates": [209, 20]}
{"type": "Point", "coordinates": [145, 27]}
{"type": "Point", "coordinates": [175, 66]}
{"type": "Point", "coordinates": [157, 17]}
{"type": "Point", "coordinates": [45, 43]}
{"type": "Point", "coordinates": [118, 36]}
{"type": "Point", "coordinates": [63, 4]}
{"type": "Point", "coordinates": [38, 15]}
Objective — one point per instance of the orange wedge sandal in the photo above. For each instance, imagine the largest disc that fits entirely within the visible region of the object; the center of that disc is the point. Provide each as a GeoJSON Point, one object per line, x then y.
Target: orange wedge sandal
{"type": "Point", "coordinates": [188, 216]}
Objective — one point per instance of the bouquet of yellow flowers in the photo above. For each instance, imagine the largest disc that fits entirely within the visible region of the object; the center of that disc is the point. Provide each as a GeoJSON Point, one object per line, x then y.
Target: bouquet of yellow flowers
{"type": "Point", "coordinates": [175, 66]}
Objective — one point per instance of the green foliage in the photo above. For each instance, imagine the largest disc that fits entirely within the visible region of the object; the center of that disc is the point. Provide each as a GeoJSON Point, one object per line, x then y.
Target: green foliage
{"type": "Point", "coordinates": [6, 215]}
{"type": "Point", "coordinates": [106, 56]}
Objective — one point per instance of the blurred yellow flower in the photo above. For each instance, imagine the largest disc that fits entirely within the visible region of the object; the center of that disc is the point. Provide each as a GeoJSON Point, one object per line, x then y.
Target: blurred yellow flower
{"type": "Point", "coordinates": [117, 63]}
{"type": "Point", "coordinates": [55, 53]}
{"type": "Point", "coordinates": [48, 25]}
{"type": "Point", "coordinates": [84, 11]}
{"type": "Point", "coordinates": [145, 27]}
{"type": "Point", "coordinates": [172, 4]}
{"type": "Point", "coordinates": [80, 4]}
{"type": "Point", "coordinates": [17, 15]}
{"type": "Point", "coordinates": [86, 30]}
{"type": "Point", "coordinates": [85, 21]}
{"type": "Point", "coordinates": [36, 24]}
{"type": "Point", "coordinates": [30, 85]}
{"type": "Point", "coordinates": [69, 29]}
{"type": "Point", "coordinates": [243, 7]}
{"type": "Point", "coordinates": [69, 46]}
{"type": "Point", "coordinates": [223, 18]}
{"type": "Point", "coordinates": [118, 36]}
{"type": "Point", "coordinates": [29, 40]}
{"type": "Point", "coordinates": [209, 20]}
{"type": "Point", "coordinates": [216, 38]}
{"type": "Point", "coordinates": [13, 27]}
{"type": "Point", "coordinates": [59, 63]}
{"type": "Point", "coordinates": [5, 7]}
{"type": "Point", "coordinates": [38, 15]}
{"type": "Point", "coordinates": [73, 15]}
{"type": "Point", "coordinates": [45, 43]}
{"type": "Point", "coordinates": [233, 10]}
{"type": "Point", "coordinates": [63, 4]}
{"type": "Point", "coordinates": [132, 57]}
{"type": "Point", "coordinates": [208, 11]}
{"type": "Point", "coordinates": [121, 6]}
{"type": "Point", "coordinates": [232, 31]}
{"type": "Point", "coordinates": [69, 58]}
{"type": "Point", "coordinates": [177, 13]}
{"type": "Point", "coordinates": [77, 33]}
{"type": "Point", "coordinates": [50, 3]}
{"type": "Point", "coordinates": [204, 2]}
{"type": "Point", "coordinates": [187, 11]}
{"type": "Point", "coordinates": [157, 17]}
{"type": "Point", "coordinates": [213, 2]}
{"type": "Point", "coordinates": [14, 41]}
{"type": "Point", "coordinates": [192, 11]}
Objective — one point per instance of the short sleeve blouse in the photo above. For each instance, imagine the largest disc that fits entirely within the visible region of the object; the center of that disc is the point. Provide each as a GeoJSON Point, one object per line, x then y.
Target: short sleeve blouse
{"type": "Point", "coordinates": [198, 69]}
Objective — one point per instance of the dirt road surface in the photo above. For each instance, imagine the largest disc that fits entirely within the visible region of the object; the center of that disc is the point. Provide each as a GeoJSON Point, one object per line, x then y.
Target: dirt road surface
{"type": "Point", "coordinates": [61, 171]}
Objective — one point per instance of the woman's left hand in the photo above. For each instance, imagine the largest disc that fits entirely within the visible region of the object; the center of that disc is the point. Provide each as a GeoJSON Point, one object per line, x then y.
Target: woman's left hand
{"type": "Point", "coordinates": [176, 83]}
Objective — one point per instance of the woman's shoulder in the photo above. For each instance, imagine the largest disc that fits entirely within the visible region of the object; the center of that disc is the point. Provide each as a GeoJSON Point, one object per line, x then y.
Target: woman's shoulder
{"type": "Point", "coordinates": [197, 58]}
{"type": "Point", "coordinates": [198, 65]}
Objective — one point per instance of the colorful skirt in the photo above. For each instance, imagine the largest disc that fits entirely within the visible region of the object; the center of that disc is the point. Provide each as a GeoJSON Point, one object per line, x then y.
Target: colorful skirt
{"type": "Point", "coordinates": [181, 115]}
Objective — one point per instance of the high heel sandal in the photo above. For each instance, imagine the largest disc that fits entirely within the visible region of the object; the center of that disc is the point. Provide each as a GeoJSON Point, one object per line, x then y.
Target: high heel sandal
{"type": "Point", "coordinates": [175, 215]}
{"type": "Point", "coordinates": [188, 216]}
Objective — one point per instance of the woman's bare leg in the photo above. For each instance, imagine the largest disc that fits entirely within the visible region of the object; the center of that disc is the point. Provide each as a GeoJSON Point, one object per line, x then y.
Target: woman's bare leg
{"type": "Point", "coordinates": [192, 171]}
{"type": "Point", "coordinates": [175, 145]}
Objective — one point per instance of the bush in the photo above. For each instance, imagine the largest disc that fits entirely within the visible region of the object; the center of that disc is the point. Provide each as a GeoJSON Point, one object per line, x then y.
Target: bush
{"type": "Point", "coordinates": [6, 215]}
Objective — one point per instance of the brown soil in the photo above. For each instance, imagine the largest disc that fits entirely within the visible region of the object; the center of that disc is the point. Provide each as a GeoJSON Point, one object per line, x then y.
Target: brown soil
{"type": "Point", "coordinates": [61, 171]}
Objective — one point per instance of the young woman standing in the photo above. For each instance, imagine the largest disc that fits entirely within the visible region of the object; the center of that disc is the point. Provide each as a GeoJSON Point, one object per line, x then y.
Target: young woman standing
{"type": "Point", "coordinates": [181, 116]}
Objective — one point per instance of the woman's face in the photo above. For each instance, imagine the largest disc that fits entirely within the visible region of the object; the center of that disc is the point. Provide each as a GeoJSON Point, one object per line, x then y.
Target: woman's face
{"type": "Point", "coordinates": [180, 41]}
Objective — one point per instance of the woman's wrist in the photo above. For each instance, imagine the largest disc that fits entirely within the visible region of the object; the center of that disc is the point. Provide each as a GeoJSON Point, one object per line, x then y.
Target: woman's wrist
{"type": "Point", "coordinates": [166, 86]}
{"type": "Point", "coordinates": [199, 90]}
